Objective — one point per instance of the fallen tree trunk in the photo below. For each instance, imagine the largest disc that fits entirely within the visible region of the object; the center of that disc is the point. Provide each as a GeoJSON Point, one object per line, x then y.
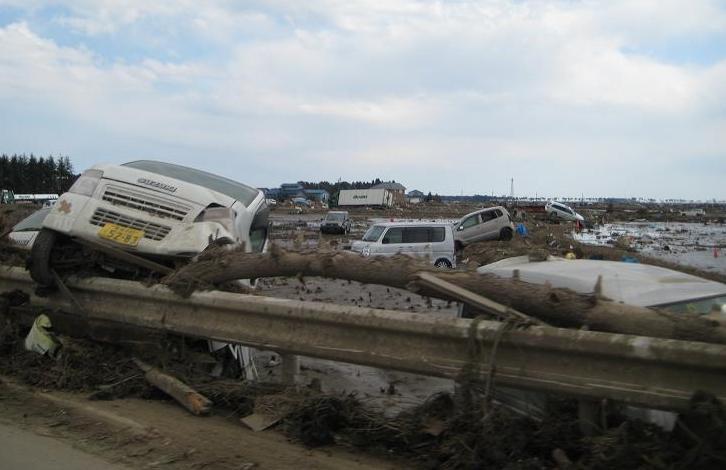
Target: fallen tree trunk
{"type": "Point", "coordinates": [186, 396]}
{"type": "Point", "coordinates": [554, 306]}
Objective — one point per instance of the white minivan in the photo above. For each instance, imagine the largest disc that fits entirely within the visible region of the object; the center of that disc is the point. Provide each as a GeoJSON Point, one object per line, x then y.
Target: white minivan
{"type": "Point", "coordinates": [559, 211]}
{"type": "Point", "coordinates": [431, 240]}
{"type": "Point", "coordinates": [164, 212]}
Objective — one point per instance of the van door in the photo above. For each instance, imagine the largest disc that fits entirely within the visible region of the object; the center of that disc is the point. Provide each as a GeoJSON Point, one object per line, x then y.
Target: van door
{"type": "Point", "coordinates": [392, 242]}
{"type": "Point", "coordinates": [417, 241]}
{"type": "Point", "coordinates": [440, 246]}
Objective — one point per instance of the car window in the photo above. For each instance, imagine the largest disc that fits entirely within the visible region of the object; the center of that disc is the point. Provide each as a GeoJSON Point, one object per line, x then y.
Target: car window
{"type": "Point", "coordinates": [702, 306]}
{"type": "Point", "coordinates": [416, 235]}
{"type": "Point", "coordinates": [487, 216]}
{"type": "Point", "coordinates": [393, 235]}
{"type": "Point", "coordinates": [498, 212]}
{"type": "Point", "coordinates": [33, 222]}
{"type": "Point", "coordinates": [258, 229]}
{"type": "Point", "coordinates": [373, 233]}
{"type": "Point", "coordinates": [470, 221]}
{"type": "Point", "coordinates": [335, 217]}
{"type": "Point", "coordinates": [438, 234]}
{"type": "Point", "coordinates": [241, 192]}
{"type": "Point", "coordinates": [562, 208]}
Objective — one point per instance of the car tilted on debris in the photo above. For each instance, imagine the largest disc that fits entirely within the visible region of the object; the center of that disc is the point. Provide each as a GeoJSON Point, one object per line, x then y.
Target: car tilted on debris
{"type": "Point", "coordinates": [492, 223]}
{"type": "Point", "coordinates": [432, 240]}
{"type": "Point", "coordinates": [559, 211]}
{"type": "Point", "coordinates": [336, 222]}
{"type": "Point", "coordinates": [636, 284]}
{"type": "Point", "coordinates": [149, 210]}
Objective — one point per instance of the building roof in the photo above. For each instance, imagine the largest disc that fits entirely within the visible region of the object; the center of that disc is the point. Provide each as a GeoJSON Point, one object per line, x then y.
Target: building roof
{"type": "Point", "coordinates": [415, 193]}
{"type": "Point", "coordinates": [390, 185]}
{"type": "Point", "coordinates": [316, 191]}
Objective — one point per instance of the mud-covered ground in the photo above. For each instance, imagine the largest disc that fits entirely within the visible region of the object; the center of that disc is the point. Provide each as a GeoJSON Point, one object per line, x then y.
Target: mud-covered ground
{"type": "Point", "coordinates": [422, 422]}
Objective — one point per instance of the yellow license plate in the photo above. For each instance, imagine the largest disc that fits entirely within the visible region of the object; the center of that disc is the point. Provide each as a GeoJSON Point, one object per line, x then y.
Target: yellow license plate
{"type": "Point", "coordinates": [123, 235]}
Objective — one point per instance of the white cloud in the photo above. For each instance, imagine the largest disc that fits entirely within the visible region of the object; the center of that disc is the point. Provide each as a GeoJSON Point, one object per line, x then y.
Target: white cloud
{"type": "Point", "coordinates": [430, 92]}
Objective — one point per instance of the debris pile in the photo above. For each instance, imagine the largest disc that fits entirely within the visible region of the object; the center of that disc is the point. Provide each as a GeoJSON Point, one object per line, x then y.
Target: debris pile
{"type": "Point", "coordinates": [443, 433]}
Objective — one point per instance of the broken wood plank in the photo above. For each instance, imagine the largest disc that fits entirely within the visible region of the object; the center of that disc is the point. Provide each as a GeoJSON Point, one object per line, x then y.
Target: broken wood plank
{"type": "Point", "coordinates": [259, 422]}
{"type": "Point", "coordinates": [189, 398]}
{"type": "Point", "coordinates": [433, 282]}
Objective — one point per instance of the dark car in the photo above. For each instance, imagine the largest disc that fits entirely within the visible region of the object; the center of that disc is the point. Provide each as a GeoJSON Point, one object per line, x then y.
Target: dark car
{"type": "Point", "coordinates": [335, 222]}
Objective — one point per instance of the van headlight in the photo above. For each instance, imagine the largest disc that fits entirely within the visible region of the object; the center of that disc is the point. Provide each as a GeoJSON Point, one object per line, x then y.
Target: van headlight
{"type": "Point", "coordinates": [87, 183]}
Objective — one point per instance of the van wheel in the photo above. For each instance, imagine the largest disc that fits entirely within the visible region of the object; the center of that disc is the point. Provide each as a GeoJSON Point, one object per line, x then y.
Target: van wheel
{"type": "Point", "coordinates": [40, 255]}
{"type": "Point", "coordinates": [443, 263]}
{"type": "Point", "coordinates": [505, 234]}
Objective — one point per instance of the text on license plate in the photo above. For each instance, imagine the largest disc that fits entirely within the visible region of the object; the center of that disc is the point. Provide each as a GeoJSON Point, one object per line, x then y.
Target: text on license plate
{"type": "Point", "coordinates": [123, 235]}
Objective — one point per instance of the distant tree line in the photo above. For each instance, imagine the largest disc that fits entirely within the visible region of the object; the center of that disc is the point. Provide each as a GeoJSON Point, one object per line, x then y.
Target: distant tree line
{"type": "Point", "coordinates": [335, 187]}
{"type": "Point", "coordinates": [25, 174]}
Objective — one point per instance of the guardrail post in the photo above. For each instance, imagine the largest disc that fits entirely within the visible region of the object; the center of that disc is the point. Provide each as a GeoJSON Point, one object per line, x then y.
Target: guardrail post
{"type": "Point", "coordinates": [290, 368]}
{"type": "Point", "coordinates": [588, 415]}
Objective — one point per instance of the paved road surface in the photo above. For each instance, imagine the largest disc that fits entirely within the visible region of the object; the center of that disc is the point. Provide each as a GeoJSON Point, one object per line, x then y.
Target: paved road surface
{"type": "Point", "coordinates": [24, 450]}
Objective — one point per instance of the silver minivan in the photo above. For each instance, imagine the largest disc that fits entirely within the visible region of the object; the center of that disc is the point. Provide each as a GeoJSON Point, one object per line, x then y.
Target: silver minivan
{"type": "Point", "coordinates": [492, 223]}
{"type": "Point", "coordinates": [433, 240]}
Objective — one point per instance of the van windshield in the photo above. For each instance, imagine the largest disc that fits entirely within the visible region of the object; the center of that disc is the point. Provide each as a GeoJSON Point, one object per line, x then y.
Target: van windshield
{"type": "Point", "coordinates": [241, 192]}
{"type": "Point", "coordinates": [373, 233]}
{"type": "Point", "coordinates": [335, 217]}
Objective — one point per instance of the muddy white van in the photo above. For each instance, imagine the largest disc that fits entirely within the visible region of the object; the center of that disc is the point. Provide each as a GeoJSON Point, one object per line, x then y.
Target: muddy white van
{"type": "Point", "coordinates": [431, 240]}
{"type": "Point", "coordinates": [492, 223]}
{"type": "Point", "coordinates": [154, 210]}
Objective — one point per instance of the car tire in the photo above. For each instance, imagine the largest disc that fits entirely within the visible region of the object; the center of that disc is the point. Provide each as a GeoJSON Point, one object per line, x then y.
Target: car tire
{"type": "Point", "coordinates": [40, 257]}
{"type": "Point", "coordinates": [443, 263]}
{"type": "Point", "coordinates": [505, 234]}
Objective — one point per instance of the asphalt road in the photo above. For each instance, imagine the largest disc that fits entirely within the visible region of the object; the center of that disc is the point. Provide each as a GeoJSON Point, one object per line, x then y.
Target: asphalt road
{"type": "Point", "coordinates": [23, 450]}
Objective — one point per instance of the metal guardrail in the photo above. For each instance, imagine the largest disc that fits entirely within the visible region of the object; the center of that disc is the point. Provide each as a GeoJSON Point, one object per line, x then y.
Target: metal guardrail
{"type": "Point", "coordinates": [657, 373]}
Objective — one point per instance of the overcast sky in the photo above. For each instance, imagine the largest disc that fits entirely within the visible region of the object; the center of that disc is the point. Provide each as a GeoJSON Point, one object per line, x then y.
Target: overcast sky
{"type": "Point", "coordinates": [601, 98]}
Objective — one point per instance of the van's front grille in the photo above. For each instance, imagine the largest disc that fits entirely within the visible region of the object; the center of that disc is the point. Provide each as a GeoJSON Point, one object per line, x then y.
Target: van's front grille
{"type": "Point", "coordinates": [154, 206]}
{"type": "Point", "coordinates": [151, 230]}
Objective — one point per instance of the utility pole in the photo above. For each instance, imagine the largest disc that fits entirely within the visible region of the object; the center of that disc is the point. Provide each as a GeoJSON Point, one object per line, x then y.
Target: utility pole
{"type": "Point", "coordinates": [511, 189]}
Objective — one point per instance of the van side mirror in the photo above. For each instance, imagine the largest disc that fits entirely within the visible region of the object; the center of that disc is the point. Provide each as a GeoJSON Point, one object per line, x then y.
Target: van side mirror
{"type": "Point", "coordinates": [460, 228]}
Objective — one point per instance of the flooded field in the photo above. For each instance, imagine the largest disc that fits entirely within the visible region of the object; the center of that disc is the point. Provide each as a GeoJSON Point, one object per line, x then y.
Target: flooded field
{"type": "Point", "coordinates": [691, 244]}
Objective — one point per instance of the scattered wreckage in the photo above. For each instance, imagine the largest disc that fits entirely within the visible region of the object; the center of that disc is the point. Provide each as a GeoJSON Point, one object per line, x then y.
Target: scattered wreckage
{"type": "Point", "coordinates": [588, 339]}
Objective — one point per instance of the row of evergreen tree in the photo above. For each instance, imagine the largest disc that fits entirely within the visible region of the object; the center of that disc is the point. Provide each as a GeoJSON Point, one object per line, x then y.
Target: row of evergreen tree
{"type": "Point", "coordinates": [333, 188]}
{"type": "Point", "coordinates": [28, 174]}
